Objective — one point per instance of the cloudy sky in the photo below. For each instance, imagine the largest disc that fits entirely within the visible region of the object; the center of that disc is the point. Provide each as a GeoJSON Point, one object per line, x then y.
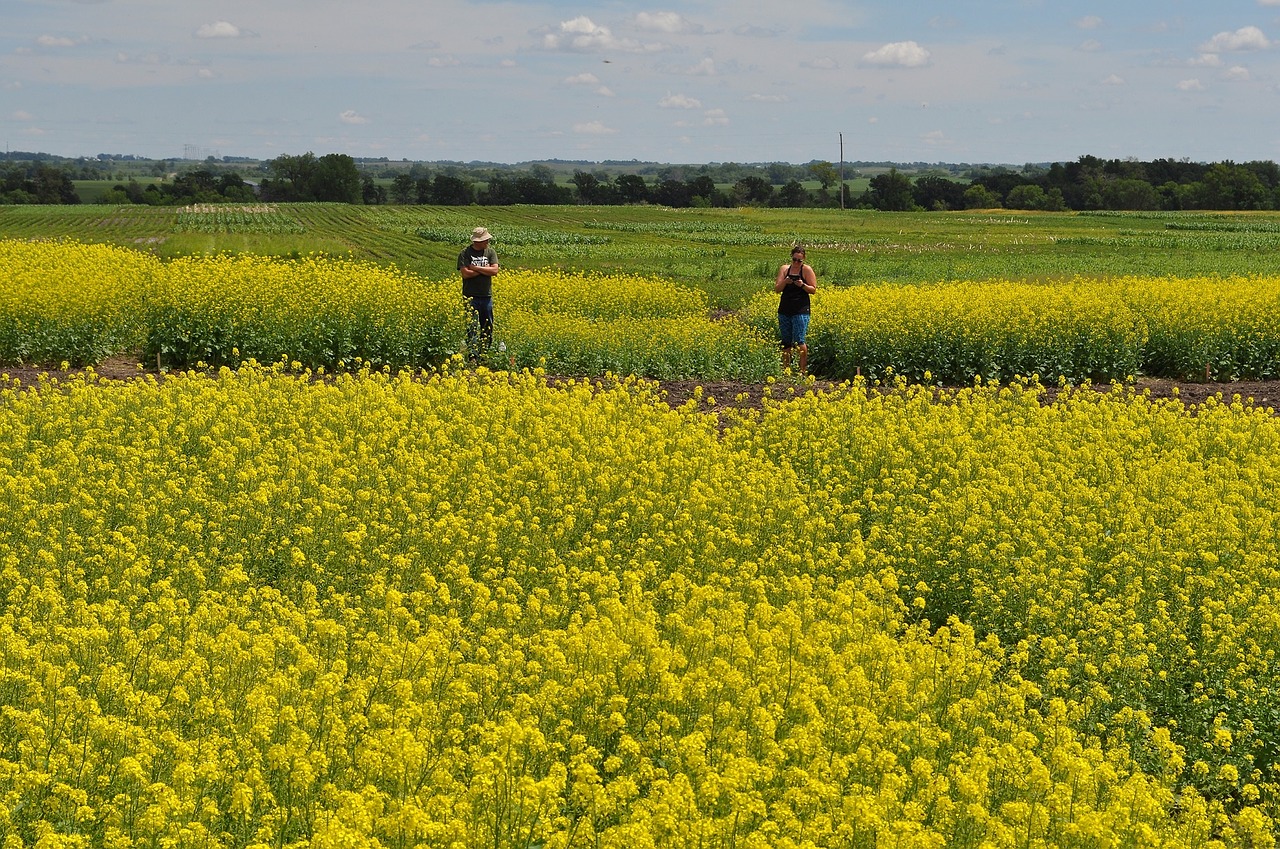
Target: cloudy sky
{"type": "Point", "coordinates": [1001, 81]}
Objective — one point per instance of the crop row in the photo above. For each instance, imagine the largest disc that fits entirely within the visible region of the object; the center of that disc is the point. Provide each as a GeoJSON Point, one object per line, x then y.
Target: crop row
{"type": "Point", "coordinates": [1216, 328]}
{"type": "Point", "coordinates": [81, 303]}
{"type": "Point", "coordinates": [254, 609]}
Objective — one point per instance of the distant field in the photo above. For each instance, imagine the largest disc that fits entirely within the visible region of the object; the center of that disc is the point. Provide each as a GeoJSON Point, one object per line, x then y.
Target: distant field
{"type": "Point", "coordinates": [91, 191]}
{"type": "Point", "coordinates": [730, 253]}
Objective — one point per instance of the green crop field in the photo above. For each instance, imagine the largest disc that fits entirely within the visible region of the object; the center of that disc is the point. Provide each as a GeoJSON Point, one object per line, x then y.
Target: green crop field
{"type": "Point", "coordinates": [730, 253]}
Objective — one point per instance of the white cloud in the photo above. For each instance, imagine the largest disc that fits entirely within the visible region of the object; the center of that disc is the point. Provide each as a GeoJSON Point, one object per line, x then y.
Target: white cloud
{"type": "Point", "coordinates": [589, 79]}
{"type": "Point", "coordinates": [899, 54]}
{"type": "Point", "coordinates": [56, 41]}
{"type": "Point", "coordinates": [1190, 85]}
{"type": "Point", "coordinates": [1206, 60]}
{"type": "Point", "coordinates": [715, 117]}
{"type": "Point", "coordinates": [22, 116]}
{"type": "Point", "coordinates": [443, 62]}
{"type": "Point", "coordinates": [1113, 79]}
{"type": "Point", "coordinates": [1089, 22]}
{"type": "Point", "coordinates": [680, 101]}
{"type": "Point", "coordinates": [1092, 45]}
{"type": "Point", "coordinates": [1237, 73]}
{"type": "Point", "coordinates": [582, 34]}
{"type": "Point", "coordinates": [593, 128]}
{"type": "Point", "coordinates": [206, 74]}
{"type": "Point", "coordinates": [705, 68]}
{"type": "Point", "coordinates": [1245, 38]}
{"type": "Point", "coordinates": [219, 29]}
{"type": "Point", "coordinates": [822, 63]}
{"type": "Point", "coordinates": [352, 117]}
{"type": "Point", "coordinates": [768, 98]}
{"type": "Point", "coordinates": [142, 59]}
{"type": "Point", "coordinates": [934, 138]}
{"type": "Point", "coordinates": [664, 22]}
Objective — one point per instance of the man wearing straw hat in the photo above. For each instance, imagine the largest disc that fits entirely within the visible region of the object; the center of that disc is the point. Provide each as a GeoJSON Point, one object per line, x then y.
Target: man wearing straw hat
{"type": "Point", "coordinates": [478, 264]}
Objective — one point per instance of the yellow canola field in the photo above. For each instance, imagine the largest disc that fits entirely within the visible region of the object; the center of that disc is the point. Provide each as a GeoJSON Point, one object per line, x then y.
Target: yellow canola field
{"type": "Point", "coordinates": [1220, 328]}
{"type": "Point", "coordinates": [589, 324]}
{"type": "Point", "coordinates": [320, 311]}
{"type": "Point", "coordinates": [254, 609]}
{"type": "Point", "coordinates": [65, 301]}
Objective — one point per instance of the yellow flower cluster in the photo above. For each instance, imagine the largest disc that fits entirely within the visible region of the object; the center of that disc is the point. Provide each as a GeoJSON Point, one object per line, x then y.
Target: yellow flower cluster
{"type": "Point", "coordinates": [67, 301]}
{"type": "Point", "coordinates": [589, 324]}
{"type": "Point", "coordinates": [318, 310]}
{"type": "Point", "coordinates": [1225, 328]}
{"type": "Point", "coordinates": [1084, 328]}
{"type": "Point", "coordinates": [598, 296]}
{"type": "Point", "coordinates": [255, 610]}
{"type": "Point", "coordinates": [1125, 551]}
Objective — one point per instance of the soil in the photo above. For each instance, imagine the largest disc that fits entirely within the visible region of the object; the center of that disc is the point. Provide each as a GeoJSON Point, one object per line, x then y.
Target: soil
{"type": "Point", "coordinates": [730, 394]}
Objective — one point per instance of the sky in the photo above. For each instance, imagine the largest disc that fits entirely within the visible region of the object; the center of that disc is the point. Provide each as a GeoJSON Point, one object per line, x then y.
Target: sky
{"type": "Point", "coordinates": [702, 81]}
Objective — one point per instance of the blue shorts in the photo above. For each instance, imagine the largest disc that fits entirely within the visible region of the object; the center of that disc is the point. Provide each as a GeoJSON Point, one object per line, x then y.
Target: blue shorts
{"type": "Point", "coordinates": [793, 329]}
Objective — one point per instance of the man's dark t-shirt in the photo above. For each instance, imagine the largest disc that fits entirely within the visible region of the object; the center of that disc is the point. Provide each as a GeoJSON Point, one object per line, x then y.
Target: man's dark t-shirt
{"type": "Point", "coordinates": [481, 285]}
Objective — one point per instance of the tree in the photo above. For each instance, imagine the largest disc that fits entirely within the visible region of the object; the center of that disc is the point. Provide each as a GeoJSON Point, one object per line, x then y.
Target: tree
{"type": "Point", "coordinates": [1130, 194]}
{"type": "Point", "coordinates": [372, 193]}
{"type": "Point", "coordinates": [937, 193]}
{"type": "Point", "coordinates": [631, 188]}
{"type": "Point", "coordinates": [752, 189]}
{"type": "Point", "coordinates": [337, 179]}
{"type": "Point", "coordinates": [1027, 196]}
{"type": "Point", "coordinates": [673, 193]}
{"type": "Point", "coordinates": [704, 188]}
{"type": "Point", "coordinates": [332, 177]}
{"type": "Point", "coordinates": [1231, 186]}
{"type": "Point", "coordinates": [451, 190]}
{"type": "Point", "coordinates": [890, 192]}
{"type": "Point", "coordinates": [792, 195]}
{"type": "Point", "coordinates": [588, 186]}
{"type": "Point", "coordinates": [979, 196]}
{"type": "Point", "coordinates": [825, 173]}
{"type": "Point", "coordinates": [52, 185]}
{"type": "Point", "coordinates": [404, 189]}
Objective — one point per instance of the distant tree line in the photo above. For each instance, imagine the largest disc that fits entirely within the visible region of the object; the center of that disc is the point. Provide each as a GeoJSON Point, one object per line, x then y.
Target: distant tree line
{"type": "Point", "coordinates": [36, 182]}
{"type": "Point", "coordinates": [1089, 183]}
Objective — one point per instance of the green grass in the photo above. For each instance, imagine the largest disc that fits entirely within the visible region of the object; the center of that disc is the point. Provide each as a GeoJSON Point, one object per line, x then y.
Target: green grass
{"type": "Point", "coordinates": [729, 253]}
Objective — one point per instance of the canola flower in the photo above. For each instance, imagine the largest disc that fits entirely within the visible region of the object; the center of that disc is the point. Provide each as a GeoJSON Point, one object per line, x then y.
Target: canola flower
{"type": "Point", "coordinates": [318, 311]}
{"type": "Point", "coordinates": [589, 324]}
{"type": "Point", "coordinates": [253, 609]}
{"type": "Point", "coordinates": [1220, 328]}
{"type": "Point", "coordinates": [65, 301]}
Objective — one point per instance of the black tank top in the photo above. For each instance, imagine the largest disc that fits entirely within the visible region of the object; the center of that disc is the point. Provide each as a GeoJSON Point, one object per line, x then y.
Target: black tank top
{"type": "Point", "coordinates": [794, 300]}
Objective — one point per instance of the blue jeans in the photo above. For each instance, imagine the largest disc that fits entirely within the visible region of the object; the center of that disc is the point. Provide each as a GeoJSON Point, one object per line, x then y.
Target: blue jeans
{"type": "Point", "coordinates": [793, 329]}
{"type": "Point", "coordinates": [480, 328]}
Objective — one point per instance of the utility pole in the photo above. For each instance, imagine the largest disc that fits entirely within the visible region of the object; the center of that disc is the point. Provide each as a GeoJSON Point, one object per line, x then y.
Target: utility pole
{"type": "Point", "coordinates": [842, 170]}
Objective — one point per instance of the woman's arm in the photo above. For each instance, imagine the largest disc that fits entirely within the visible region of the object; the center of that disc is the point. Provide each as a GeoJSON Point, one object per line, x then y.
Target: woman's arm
{"type": "Point", "coordinates": [810, 278]}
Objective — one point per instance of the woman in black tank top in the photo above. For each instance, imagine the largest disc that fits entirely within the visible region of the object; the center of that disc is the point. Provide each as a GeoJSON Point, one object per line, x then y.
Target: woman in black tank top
{"type": "Point", "coordinates": [796, 281]}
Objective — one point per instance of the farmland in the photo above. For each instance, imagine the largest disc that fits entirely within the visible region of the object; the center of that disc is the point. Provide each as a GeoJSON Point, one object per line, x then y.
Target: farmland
{"type": "Point", "coordinates": [359, 592]}
{"type": "Point", "coordinates": [730, 254]}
